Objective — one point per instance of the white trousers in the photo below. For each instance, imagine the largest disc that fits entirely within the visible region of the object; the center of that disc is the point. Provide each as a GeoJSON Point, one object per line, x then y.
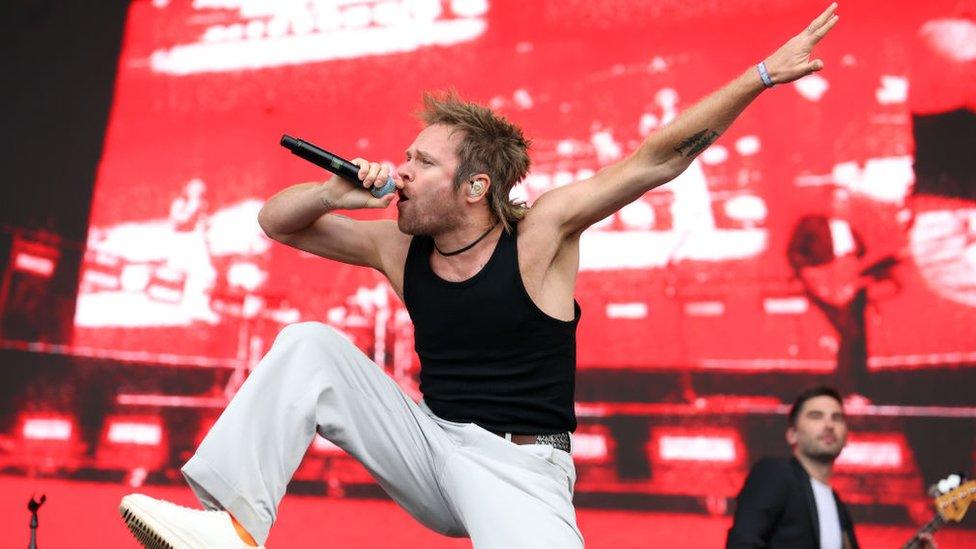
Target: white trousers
{"type": "Point", "coordinates": [455, 478]}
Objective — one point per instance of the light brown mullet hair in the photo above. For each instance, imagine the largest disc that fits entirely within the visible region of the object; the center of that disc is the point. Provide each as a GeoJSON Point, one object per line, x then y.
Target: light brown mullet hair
{"type": "Point", "coordinates": [490, 145]}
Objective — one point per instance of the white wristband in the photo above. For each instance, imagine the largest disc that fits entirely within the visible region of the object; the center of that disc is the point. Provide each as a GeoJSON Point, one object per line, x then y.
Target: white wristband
{"type": "Point", "coordinates": [764, 75]}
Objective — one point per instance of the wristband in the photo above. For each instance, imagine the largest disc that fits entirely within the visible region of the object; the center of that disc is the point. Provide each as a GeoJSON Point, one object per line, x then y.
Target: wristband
{"type": "Point", "coordinates": [764, 74]}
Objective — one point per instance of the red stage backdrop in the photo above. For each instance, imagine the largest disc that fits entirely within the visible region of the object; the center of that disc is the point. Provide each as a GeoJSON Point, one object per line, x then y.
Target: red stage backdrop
{"type": "Point", "coordinates": [693, 275]}
{"type": "Point", "coordinates": [695, 324]}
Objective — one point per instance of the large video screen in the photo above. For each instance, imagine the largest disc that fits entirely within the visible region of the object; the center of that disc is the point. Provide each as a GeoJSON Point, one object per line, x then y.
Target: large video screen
{"type": "Point", "coordinates": [829, 236]}
{"type": "Point", "coordinates": [697, 274]}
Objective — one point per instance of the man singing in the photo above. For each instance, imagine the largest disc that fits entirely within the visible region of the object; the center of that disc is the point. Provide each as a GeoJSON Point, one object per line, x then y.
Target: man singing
{"type": "Point", "coordinates": [489, 286]}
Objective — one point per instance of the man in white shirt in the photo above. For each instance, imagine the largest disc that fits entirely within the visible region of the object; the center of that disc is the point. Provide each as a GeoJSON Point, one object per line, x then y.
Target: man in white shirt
{"type": "Point", "coordinates": [788, 502]}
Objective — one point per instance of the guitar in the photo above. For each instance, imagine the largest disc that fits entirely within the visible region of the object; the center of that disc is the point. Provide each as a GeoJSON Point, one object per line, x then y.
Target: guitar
{"type": "Point", "coordinates": [951, 503]}
{"type": "Point", "coordinates": [838, 282]}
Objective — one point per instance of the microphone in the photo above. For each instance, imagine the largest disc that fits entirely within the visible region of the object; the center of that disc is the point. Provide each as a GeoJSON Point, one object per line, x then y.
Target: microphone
{"type": "Point", "coordinates": [335, 164]}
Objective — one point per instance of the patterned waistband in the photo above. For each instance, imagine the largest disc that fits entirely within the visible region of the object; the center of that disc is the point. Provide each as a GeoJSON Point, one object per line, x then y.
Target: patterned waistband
{"type": "Point", "coordinates": [559, 441]}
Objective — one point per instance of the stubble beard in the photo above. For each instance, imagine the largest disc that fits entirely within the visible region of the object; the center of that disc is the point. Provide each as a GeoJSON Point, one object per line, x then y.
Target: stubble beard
{"type": "Point", "coordinates": [431, 215]}
{"type": "Point", "coordinates": [423, 221]}
{"type": "Point", "coordinates": [819, 454]}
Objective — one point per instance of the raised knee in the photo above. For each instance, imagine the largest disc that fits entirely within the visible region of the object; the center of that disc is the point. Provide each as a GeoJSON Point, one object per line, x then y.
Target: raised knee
{"type": "Point", "coordinates": [308, 331]}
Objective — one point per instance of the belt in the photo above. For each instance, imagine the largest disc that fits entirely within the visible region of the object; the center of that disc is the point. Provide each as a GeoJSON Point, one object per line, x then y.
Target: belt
{"type": "Point", "coordinates": [559, 441]}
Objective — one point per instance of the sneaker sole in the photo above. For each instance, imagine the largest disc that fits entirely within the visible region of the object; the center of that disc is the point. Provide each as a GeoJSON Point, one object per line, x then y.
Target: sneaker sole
{"type": "Point", "coordinates": [150, 535]}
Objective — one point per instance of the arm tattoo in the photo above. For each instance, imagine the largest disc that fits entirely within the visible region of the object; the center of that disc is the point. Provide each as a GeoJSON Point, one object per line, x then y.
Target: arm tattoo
{"type": "Point", "coordinates": [696, 143]}
{"type": "Point", "coordinates": [329, 205]}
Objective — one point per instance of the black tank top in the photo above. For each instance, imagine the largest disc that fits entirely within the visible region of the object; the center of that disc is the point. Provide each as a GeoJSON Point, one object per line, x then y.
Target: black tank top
{"type": "Point", "coordinates": [488, 354]}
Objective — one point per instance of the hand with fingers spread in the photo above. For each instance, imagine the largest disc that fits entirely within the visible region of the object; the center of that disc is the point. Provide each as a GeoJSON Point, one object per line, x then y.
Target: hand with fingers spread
{"type": "Point", "coordinates": [792, 61]}
{"type": "Point", "coordinates": [341, 194]}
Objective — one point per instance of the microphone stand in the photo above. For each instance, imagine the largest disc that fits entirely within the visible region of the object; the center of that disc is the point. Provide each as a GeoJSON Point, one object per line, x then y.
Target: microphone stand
{"type": "Point", "coordinates": [33, 505]}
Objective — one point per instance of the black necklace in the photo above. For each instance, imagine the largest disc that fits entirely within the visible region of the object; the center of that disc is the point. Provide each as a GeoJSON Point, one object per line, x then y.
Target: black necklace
{"type": "Point", "coordinates": [469, 246]}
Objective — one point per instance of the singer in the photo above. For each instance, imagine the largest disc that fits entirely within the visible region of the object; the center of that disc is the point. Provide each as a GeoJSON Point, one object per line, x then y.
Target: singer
{"type": "Point", "coordinates": [489, 285]}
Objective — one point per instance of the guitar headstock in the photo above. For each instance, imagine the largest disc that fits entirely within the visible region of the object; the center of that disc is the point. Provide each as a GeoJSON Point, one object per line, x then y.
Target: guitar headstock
{"type": "Point", "coordinates": [954, 494]}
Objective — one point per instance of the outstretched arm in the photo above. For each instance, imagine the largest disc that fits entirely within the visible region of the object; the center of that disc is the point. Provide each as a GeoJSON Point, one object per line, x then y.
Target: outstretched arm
{"type": "Point", "coordinates": [669, 151]}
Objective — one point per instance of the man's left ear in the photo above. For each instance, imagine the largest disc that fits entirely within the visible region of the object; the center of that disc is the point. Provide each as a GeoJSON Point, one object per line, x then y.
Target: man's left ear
{"type": "Point", "coordinates": [479, 186]}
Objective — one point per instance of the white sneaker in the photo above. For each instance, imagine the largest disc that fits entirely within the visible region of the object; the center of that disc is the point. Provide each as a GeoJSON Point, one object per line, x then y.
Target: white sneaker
{"type": "Point", "coordinates": [159, 524]}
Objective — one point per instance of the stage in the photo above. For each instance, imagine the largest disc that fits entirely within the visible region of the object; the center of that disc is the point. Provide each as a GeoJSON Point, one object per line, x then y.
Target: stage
{"type": "Point", "coordinates": [138, 290]}
{"type": "Point", "coordinates": [85, 514]}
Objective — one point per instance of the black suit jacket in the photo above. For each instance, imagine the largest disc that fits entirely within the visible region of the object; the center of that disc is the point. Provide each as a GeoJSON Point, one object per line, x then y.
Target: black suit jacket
{"type": "Point", "coordinates": [776, 508]}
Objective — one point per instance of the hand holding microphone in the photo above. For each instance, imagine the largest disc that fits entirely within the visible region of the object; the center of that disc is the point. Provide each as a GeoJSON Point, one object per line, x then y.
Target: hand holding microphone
{"type": "Point", "coordinates": [370, 175]}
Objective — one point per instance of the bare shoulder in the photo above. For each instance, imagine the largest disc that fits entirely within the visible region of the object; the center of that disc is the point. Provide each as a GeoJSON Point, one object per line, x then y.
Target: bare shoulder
{"type": "Point", "coordinates": [548, 262]}
{"type": "Point", "coordinates": [539, 234]}
{"type": "Point", "coordinates": [547, 214]}
{"type": "Point", "coordinates": [392, 246]}
{"type": "Point", "coordinates": [392, 240]}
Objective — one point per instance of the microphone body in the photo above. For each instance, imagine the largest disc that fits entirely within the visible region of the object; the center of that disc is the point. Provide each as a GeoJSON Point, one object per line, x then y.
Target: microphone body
{"type": "Point", "coordinates": [335, 164]}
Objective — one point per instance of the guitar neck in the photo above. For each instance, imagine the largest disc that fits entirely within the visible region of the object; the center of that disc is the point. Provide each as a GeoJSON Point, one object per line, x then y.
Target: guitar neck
{"type": "Point", "coordinates": [930, 528]}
